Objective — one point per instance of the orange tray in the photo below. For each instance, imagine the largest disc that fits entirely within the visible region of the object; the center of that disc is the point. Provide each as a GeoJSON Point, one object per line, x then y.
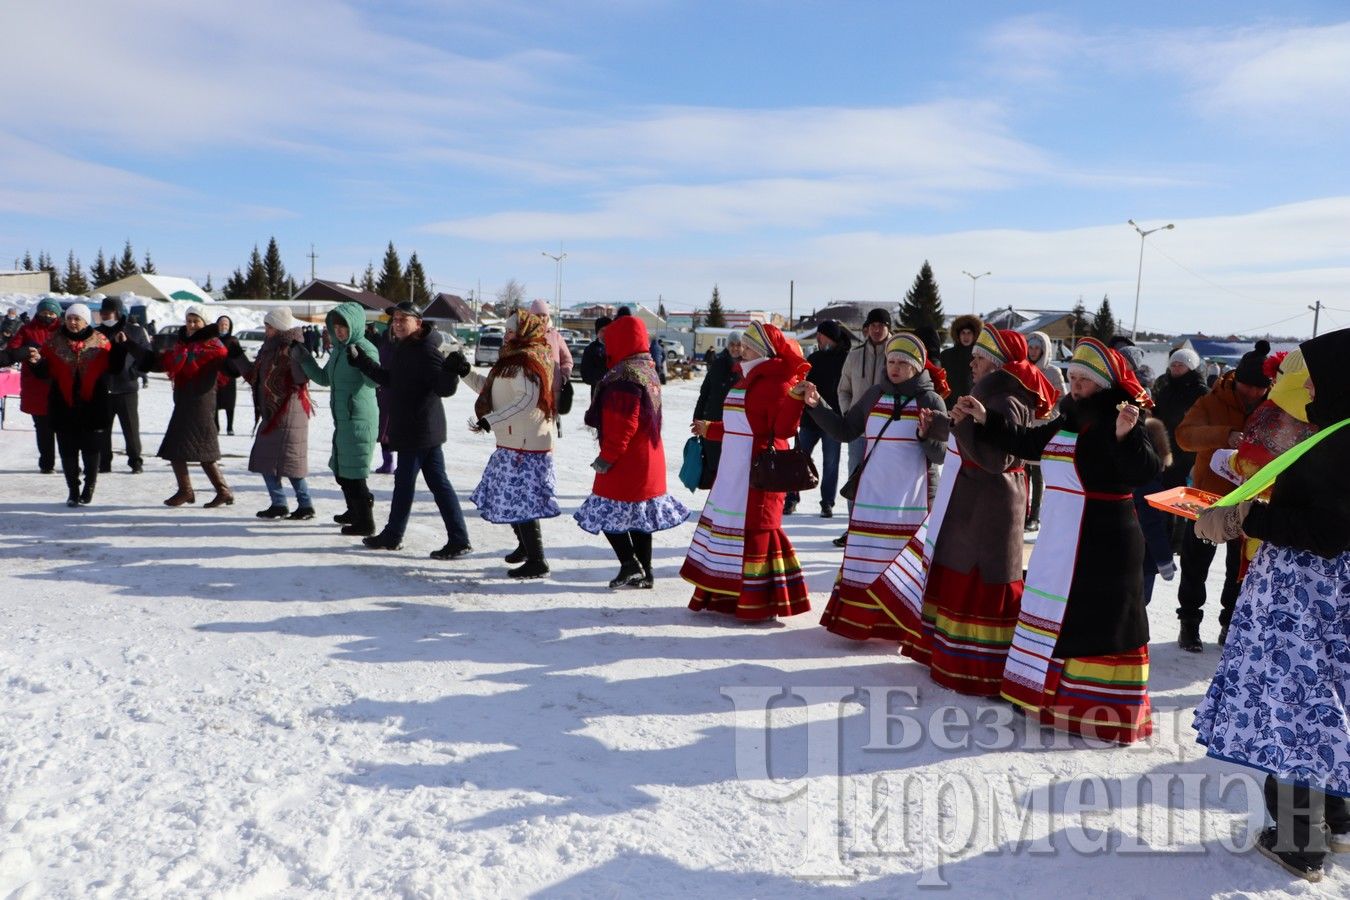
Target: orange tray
{"type": "Point", "coordinates": [1183, 501]}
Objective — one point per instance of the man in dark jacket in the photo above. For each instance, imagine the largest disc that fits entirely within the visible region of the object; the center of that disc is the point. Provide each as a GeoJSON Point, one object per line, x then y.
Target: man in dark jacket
{"type": "Point", "coordinates": [827, 364]}
{"type": "Point", "coordinates": [1174, 393]}
{"type": "Point", "coordinates": [10, 326]}
{"type": "Point", "coordinates": [416, 378]}
{"type": "Point", "coordinates": [722, 374]}
{"type": "Point", "coordinates": [956, 358]}
{"type": "Point", "coordinates": [124, 385]}
{"type": "Point", "coordinates": [658, 353]}
{"type": "Point", "coordinates": [593, 363]}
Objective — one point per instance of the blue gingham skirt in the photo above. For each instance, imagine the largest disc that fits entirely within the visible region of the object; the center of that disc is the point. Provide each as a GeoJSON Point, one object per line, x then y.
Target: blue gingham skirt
{"type": "Point", "coordinates": [599, 514]}
{"type": "Point", "coordinates": [517, 487]}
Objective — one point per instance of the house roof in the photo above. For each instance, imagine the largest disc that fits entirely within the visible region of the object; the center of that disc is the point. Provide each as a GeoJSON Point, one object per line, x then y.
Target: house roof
{"type": "Point", "coordinates": [450, 307]}
{"type": "Point", "coordinates": [320, 289]}
{"type": "Point", "coordinates": [156, 287]}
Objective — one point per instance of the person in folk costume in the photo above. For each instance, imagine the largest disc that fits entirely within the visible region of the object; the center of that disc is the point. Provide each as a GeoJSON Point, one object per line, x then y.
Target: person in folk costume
{"type": "Point", "coordinates": [79, 361]}
{"type": "Point", "coordinates": [723, 373]}
{"type": "Point", "coordinates": [33, 390]}
{"type": "Point", "coordinates": [892, 494]}
{"type": "Point", "coordinates": [628, 500]}
{"type": "Point", "coordinates": [956, 587]}
{"type": "Point", "coordinates": [1079, 656]}
{"type": "Point", "coordinates": [226, 382]}
{"type": "Point", "coordinates": [833, 342]}
{"type": "Point", "coordinates": [1040, 354]}
{"type": "Point", "coordinates": [1278, 700]}
{"type": "Point", "coordinates": [515, 403]}
{"type": "Point", "coordinates": [741, 561]}
{"type": "Point", "coordinates": [355, 414]}
{"type": "Point", "coordinates": [193, 364]}
{"type": "Point", "coordinates": [559, 352]}
{"type": "Point", "coordinates": [283, 408]}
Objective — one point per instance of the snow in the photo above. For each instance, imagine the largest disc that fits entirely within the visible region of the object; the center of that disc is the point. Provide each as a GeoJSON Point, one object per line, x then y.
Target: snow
{"type": "Point", "coordinates": [161, 312]}
{"type": "Point", "coordinates": [197, 702]}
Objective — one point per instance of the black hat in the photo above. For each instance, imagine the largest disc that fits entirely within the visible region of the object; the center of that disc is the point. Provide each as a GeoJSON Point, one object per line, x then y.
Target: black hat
{"type": "Point", "coordinates": [878, 315]}
{"type": "Point", "coordinates": [1251, 370]}
{"type": "Point", "coordinates": [1119, 340]}
{"type": "Point", "coordinates": [602, 322]}
{"type": "Point", "coordinates": [406, 307]}
{"type": "Point", "coordinates": [112, 305]}
{"type": "Point", "coordinates": [831, 329]}
{"type": "Point", "coordinates": [623, 311]}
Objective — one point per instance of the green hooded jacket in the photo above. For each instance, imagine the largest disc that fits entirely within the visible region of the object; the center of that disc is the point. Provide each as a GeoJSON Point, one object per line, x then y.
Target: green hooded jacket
{"type": "Point", "coordinates": [356, 418]}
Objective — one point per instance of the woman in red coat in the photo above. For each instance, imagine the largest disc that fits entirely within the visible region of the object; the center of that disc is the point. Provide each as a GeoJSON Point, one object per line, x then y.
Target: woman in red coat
{"type": "Point", "coordinates": [741, 562]}
{"type": "Point", "coordinates": [628, 501]}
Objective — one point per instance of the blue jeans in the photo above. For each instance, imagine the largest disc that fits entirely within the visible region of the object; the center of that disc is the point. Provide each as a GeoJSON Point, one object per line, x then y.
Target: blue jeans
{"type": "Point", "coordinates": [274, 490]}
{"type": "Point", "coordinates": [430, 462]}
{"type": "Point", "coordinates": [808, 435]}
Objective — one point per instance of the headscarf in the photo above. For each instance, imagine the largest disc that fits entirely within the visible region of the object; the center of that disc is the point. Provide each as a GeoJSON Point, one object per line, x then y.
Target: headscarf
{"type": "Point", "coordinates": [1008, 350]}
{"type": "Point", "coordinates": [1290, 391]}
{"type": "Point", "coordinates": [1099, 363]}
{"type": "Point", "coordinates": [631, 370]}
{"type": "Point", "coordinates": [527, 351]}
{"type": "Point", "coordinates": [276, 383]}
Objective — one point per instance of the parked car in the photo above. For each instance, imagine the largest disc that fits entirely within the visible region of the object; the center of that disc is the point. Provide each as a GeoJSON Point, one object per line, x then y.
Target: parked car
{"type": "Point", "coordinates": [251, 341]}
{"type": "Point", "coordinates": [674, 349]}
{"type": "Point", "coordinates": [489, 346]}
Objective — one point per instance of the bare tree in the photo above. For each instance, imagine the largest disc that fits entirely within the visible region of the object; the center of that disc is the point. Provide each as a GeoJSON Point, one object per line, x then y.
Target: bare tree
{"type": "Point", "coordinates": [511, 294]}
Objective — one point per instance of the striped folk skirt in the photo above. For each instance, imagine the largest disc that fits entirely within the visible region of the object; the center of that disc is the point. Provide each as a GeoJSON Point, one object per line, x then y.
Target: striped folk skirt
{"type": "Point", "coordinates": [770, 584]}
{"type": "Point", "coordinates": [1099, 697]}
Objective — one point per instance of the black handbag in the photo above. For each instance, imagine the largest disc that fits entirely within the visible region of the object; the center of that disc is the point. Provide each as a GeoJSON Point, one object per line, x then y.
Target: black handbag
{"type": "Point", "coordinates": [565, 398]}
{"type": "Point", "coordinates": [781, 471]}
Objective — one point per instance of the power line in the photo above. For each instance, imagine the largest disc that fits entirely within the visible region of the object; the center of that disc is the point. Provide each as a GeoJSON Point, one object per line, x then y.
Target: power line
{"type": "Point", "coordinates": [1206, 280]}
{"type": "Point", "coordinates": [1256, 328]}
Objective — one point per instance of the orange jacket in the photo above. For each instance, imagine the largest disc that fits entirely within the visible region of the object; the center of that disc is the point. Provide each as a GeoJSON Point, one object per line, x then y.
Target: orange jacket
{"type": "Point", "coordinates": [1206, 428]}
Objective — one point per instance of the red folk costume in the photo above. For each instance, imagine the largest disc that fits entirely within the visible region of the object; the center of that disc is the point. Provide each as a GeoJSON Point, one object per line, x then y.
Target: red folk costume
{"type": "Point", "coordinates": [76, 364]}
{"type": "Point", "coordinates": [627, 415]}
{"type": "Point", "coordinates": [740, 561]}
{"type": "Point", "coordinates": [33, 389]}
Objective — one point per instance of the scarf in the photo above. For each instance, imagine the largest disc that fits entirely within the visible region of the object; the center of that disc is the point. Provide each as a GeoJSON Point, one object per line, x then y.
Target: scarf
{"type": "Point", "coordinates": [527, 351]}
{"type": "Point", "coordinates": [1009, 350]}
{"type": "Point", "coordinates": [192, 354]}
{"type": "Point", "coordinates": [277, 386]}
{"type": "Point", "coordinates": [1094, 360]}
{"type": "Point", "coordinates": [635, 375]}
{"type": "Point", "coordinates": [81, 358]}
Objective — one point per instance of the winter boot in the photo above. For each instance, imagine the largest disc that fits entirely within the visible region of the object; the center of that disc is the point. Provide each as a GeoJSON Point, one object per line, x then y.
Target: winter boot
{"type": "Point", "coordinates": [532, 537]}
{"type": "Point", "coordinates": [345, 517]}
{"type": "Point", "coordinates": [73, 483]}
{"type": "Point", "coordinates": [1223, 635]}
{"type": "Point", "coordinates": [223, 495]}
{"type": "Point", "coordinates": [630, 570]}
{"type": "Point", "coordinates": [451, 551]}
{"type": "Point", "coordinates": [1189, 638]}
{"type": "Point", "coordinates": [380, 542]}
{"type": "Point", "coordinates": [302, 514]}
{"type": "Point", "coordinates": [361, 507]}
{"type": "Point", "coordinates": [642, 549]}
{"type": "Point", "coordinates": [185, 493]}
{"type": "Point", "coordinates": [272, 512]}
{"type": "Point", "coordinates": [517, 555]}
{"type": "Point", "coordinates": [90, 479]}
{"type": "Point", "coordinates": [387, 466]}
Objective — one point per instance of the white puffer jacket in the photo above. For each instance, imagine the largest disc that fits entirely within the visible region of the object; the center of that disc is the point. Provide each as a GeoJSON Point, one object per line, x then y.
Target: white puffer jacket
{"type": "Point", "coordinates": [516, 420]}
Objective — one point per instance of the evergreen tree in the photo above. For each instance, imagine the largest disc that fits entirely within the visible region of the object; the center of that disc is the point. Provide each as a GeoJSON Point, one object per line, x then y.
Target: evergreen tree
{"type": "Point", "coordinates": [717, 317]}
{"type": "Point", "coordinates": [99, 273]}
{"type": "Point", "coordinates": [45, 264]}
{"type": "Point", "coordinates": [368, 279]}
{"type": "Point", "coordinates": [923, 303]}
{"type": "Point", "coordinates": [390, 285]}
{"type": "Point", "coordinates": [275, 272]}
{"type": "Point", "coordinates": [1080, 326]}
{"type": "Point", "coordinates": [235, 286]}
{"type": "Point", "coordinates": [127, 265]}
{"type": "Point", "coordinates": [416, 278]}
{"type": "Point", "coordinates": [148, 267]}
{"type": "Point", "coordinates": [255, 278]}
{"type": "Point", "coordinates": [1104, 323]}
{"type": "Point", "coordinates": [352, 282]}
{"type": "Point", "coordinates": [28, 262]}
{"type": "Point", "coordinates": [75, 280]}
{"type": "Point", "coordinates": [207, 287]}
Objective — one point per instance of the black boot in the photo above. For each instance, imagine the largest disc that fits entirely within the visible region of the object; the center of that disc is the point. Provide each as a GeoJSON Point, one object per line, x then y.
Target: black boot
{"type": "Point", "coordinates": [642, 548]}
{"type": "Point", "coordinates": [90, 479]}
{"type": "Point", "coordinates": [1189, 638]}
{"type": "Point", "coordinates": [1223, 635]}
{"type": "Point", "coordinates": [345, 517]}
{"type": "Point", "coordinates": [361, 504]}
{"type": "Point", "coordinates": [272, 512]}
{"type": "Point", "coordinates": [630, 570]}
{"type": "Point", "coordinates": [73, 483]}
{"type": "Point", "coordinates": [532, 537]}
{"type": "Point", "coordinates": [517, 555]}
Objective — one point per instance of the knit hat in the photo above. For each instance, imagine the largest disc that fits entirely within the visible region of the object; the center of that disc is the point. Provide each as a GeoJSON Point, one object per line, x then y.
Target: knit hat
{"type": "Point", "coordinates": [831, 329]}
{"type": "Point", "coordinates": [993, 345]}
{"type": "Point", "coordinates": [1133, 355]}
{"type": "Point", "coordinates": [280, 318]}
{"type": "Point", "coordinates": [758, 337]}
{"type": "Point", "coordinates": [540, 308]}
{"type": "Point", "coordinates": [1187, 357]}
{"type": "Point", "coordinates": [50, 306]}
{"type": "Point", "coordinates": [79, 309]}
{"type": "Point", "coordinates": [602, 323]}
{"type": "Point", "coordinates": [112, 305]}
{"type": "Point", "coordinates": [1100, 364]}
{"type": "Point", "coordinates": [196, 310]}
{"type": "Point", "coordinates": [878, 315]}
{"type": "Point", "coordinates": [910, 349]}
{"type": "Point", "coordinates": [1251, 370]}
{"type": "Point", "coordinates": [406, 307]}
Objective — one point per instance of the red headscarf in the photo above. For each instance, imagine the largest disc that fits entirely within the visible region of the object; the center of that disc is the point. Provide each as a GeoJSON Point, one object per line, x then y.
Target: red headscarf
{"type": "Point", "coordinates": [1009, 349]}
{"type": "Point", "coordinates": [782, 353]}
{"type": "Point", "coordinates": [1107, 367]}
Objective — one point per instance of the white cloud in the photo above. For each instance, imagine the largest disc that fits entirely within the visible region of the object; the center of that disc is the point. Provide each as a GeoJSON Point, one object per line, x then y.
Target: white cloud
{"type": "Point", "coordinates": [38, 181]}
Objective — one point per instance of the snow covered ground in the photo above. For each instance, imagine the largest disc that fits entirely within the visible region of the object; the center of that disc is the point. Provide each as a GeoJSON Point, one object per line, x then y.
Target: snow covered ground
{"type": "Point", "coordinates": [200, 703]}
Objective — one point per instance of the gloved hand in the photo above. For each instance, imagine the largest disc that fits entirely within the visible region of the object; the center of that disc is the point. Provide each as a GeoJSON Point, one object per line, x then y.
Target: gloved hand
{"type": "Point", "coordinates": [354, 353]}
{"type": "Point", "coordinates": [233, 349]}
{"type": "Point", "coordinates": [483, 425]}
{"type": "Point", "coordinates": [1223, 523]}
{"type": "Point", "coordinates": [601, 465]}
{"type": "Point", "coordinates": [455, 362]}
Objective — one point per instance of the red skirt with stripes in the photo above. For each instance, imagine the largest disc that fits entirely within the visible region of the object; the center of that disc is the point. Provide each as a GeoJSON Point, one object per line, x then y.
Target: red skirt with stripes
{"type": "Point", "coordinates": [966, 630]}
{"type": "Point", "coordinates": [771, 584]}
{"type": "Point", "coordinates": [1100, 697]}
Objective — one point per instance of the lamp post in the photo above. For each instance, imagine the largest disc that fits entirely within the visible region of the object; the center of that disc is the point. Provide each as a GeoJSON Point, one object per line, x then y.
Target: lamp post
{"type": "Point", "coordinates": [557, 281]}
{"type": "Point", "coordinates": [973, 280]}
{"type": "Point", "coordinates": [1139, 278]}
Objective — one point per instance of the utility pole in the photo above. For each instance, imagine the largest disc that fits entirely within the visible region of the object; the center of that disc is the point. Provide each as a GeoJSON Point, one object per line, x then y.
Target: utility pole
{"type": "Point", "coordinates": [974, 279]}
{"type": "Point", "coordinates": [312, 256]}
{"type": "Point", "coordinates": [792, 296]}
{"type": "Point", "coordinates": [1317, 315]}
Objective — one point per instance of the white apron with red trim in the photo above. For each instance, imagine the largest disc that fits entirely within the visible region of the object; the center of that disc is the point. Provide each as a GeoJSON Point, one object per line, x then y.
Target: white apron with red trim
{"type": "Point", "coordinates": [718, 548]}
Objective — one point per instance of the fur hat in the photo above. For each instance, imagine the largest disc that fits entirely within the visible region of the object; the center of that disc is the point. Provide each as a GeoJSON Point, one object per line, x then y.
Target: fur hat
{"type": "Point", "coordinates": [280, 318]}
{"type": "Point", "coordinates": [963, 323]}
{"type": "Point", "coordinates": [1252, 369]}
{"type": "Point", "coordinates": [1187, 357]}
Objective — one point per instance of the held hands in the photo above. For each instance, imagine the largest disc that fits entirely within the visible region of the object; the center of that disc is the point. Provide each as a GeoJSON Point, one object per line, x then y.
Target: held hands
{"type": "Point", "coordinates": [120, 337]}
{"type": "Point", "coordinates": [34, 355]}
{"type": "Point", "coordinates": [969, 408]}
{"type": "Point", "coordinates": [234, 349]}
{"type": "Point", "coordinates": [1234, 440]}
{"type": "Point", "coordinates": [799, 391]}
{"type": "Point", "coordinates": [601, 466]}
{"type": "Point", "coordinates": [456, 363]}
{"type": "Point", "coordinates": [699, 428]}
{"type": "Point", "coordinates": [1126, 419]}
{"type": "Point", "coordinates": [810, 394]}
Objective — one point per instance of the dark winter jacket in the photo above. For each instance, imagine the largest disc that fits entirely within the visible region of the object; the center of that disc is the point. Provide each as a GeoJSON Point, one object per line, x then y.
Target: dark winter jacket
{"type": "Point", "coordinates": [827, 365]}
{"type": "Point", "coordinates": [1105, 612]}
{"type": "Point", "coordinates": [593, 366]}
{"type": "Point", "coordinates": [718, 381]}
{"type": "Point", "coordinates": [1309, 506]}
{"type": "Point", "coordinates": [1172, 399]}
{"type": "Point", "coordinates": [193, 363]}
{"type": "Point", "coordinates": [1205, 428]}
{"type": "Point", "coordinates": [956, 362]}
{"type": "Point", "coordinates": [415, 379]}
{"type": "Point", "coordinates": [126, 380]}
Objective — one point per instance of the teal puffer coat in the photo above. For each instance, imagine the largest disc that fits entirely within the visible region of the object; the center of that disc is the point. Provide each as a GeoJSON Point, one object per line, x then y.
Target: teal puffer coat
{"type": "Point", "coordinates": [355, 416]}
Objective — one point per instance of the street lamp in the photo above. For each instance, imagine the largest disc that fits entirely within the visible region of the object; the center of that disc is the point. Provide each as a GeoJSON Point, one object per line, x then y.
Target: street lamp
{"type": "Point", "coordinates": [1139, 278]}
{"type": "Point", "coordinates": [557, 283]}
{"type": "Point", "coordinates": [973, 280]}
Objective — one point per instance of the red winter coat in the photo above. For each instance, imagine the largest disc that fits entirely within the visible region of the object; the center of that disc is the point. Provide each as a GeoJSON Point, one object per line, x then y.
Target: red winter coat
{"type": "Point", "coordinates": [33, 389]}
{"type": "Point", "coordinates": [627, 442]}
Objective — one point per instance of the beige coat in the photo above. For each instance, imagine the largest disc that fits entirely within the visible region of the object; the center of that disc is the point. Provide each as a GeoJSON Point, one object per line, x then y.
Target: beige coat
{"type": "Point", "coordinates": [864, 367]}
{"type": "Point", "coordinates": [516, 420]}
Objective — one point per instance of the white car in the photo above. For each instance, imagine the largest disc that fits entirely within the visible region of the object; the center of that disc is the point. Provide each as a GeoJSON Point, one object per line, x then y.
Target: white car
{"type": "Point", "coordinates": [487, 350]}
{"type": "Point", "coordinates": [674, 349]}
{"type": "Point", "coordinates": [251, 341]}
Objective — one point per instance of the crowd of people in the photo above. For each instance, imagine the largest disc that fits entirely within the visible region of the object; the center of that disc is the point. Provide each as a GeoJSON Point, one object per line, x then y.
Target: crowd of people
{"type": "Point", "coordinates": [955, 457]}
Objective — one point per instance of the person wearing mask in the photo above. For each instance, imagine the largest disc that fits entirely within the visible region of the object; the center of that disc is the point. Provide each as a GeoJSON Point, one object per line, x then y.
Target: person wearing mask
{"type": "Point", "coordinates": [722, 374]}
{"type": "Point", "coordinates": [864, 367]}
{"type": "Point", "coordinates": [355, 415]}
{"type": "Point", "coordinates": [417, 377]}
{"type": "Point", "coordinates": [1040, 355]}
{"type": "Point", "coordinates": [1277, 703]}
{"type": "Point", "coordinates": [10, 326]}
{"type": "Point", "coordinates": [833, 343]}
{"type": "Point", "coordinates": [35, 390]}
{"type": "Point", "coordinates": [628, 501]}
{"type": "Point", "coordinates": [283, 409]}
{"type": "Point", "coordinates": [226, 382]}
{"type": "Point", "coordinates": [558, 352]}
{"type": "Point", "coordinates": [956, 358]}
{"type": "Point", "coordinates": [1215, 422]}
{"type": "Point", "coordinates": [593, 358]}
{"type": "Point", "coordinates": [78, 361]}
{"type": "Point", "coordinates": [123, 385]}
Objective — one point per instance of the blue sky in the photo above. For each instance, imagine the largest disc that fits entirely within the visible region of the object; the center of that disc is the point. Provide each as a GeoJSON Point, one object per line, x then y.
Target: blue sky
{"type": "Point", "coordinates": [668, 146]}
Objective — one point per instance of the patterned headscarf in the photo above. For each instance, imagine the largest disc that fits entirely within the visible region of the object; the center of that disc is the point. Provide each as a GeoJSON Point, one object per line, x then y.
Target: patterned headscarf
{"type": "Point", "coordinates": [1099, 363]}
{"type": "Point", "coordinates": [527, 351]}
{"type": "Point", "coordinates": [1008, 350]}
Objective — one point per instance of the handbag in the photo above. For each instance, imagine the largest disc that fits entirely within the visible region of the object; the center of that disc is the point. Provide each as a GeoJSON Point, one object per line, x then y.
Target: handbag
{"type": "Point", "coordinates": [565, 398]}
{"type": "Point", "coordinates": [780, 471]}
{"type": "Point", "coordinates": [691, 470]}
{"type": "Point", "coordinates": [850, 489]}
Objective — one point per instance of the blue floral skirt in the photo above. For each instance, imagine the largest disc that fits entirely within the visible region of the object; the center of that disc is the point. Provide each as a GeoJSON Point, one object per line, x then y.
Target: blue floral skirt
{"type": "Point", "coordinates": [599, 514]}
{"type": "Point", "coordinates": [517, 487]}
{"type": "Point", "coordinates": [1279, 699]}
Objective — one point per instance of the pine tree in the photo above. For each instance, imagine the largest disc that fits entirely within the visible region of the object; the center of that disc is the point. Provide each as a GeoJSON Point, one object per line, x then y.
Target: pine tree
{"type": "Point", "coordinates": [127, 265]}
{"type": "Point", "coordinates": [717, 317]}
{"type": "Point", "coordinates": [390, 285]}
{"type": "Point", "coordinates": [1104, 323]}
{"type": "Point", "coordinates": [207, 287]}
{"type": "Point", "coordinates": [1080, 326]}
{"type": "Point", "coordinates": [416, 277]}
{"type": "Point", "coordinates": [75, 280]}
{"type": "Point", "coordinates": [923, 303]}
{"type": "Point", "coordinates": [99, 275]}
{"type": "Point", "coordinates": [352, 282]}
{"type": "Point", "coordinates": [28, 262]}
{"type": "Point", "coordinates": [255, 278]}
{"type": "Point", "coordinates": [368, 279]}
{"type": "Point", "coordinates": [235, 286]}
{"type": "Point", "coordinates": [277, 280]}
{"type": "Point", "coordinates": [148, 267]}
{"type": "Point", "coordinates": [45, 264]}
